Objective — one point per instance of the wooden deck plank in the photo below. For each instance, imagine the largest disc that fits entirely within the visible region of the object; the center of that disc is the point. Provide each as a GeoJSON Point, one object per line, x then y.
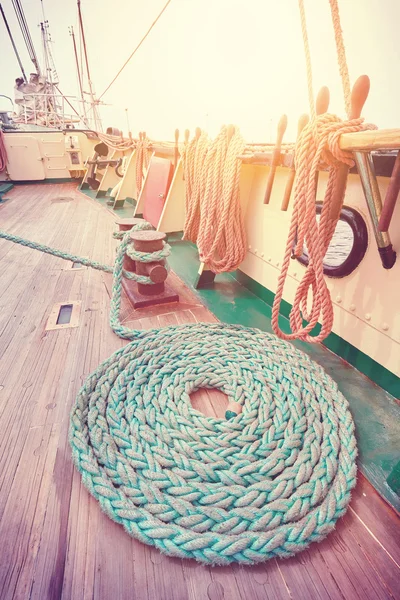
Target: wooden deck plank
{"type": "Point", "coordinates": [350, 569]}
{"type": "Point", "coordinates": [367, 504]}
{"type": "Point", "coordinates": [268, 575]}
{"type": "Point", "coordinates": [56, 542]}
{"type": "Point", "coordinates": [24, 513]}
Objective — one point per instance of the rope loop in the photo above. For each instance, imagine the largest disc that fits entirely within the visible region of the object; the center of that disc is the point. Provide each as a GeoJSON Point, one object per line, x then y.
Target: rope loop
{"type": "Point", "coordinates": [317, 147]}
{"type": "Point", "coordinates": [148, 257]}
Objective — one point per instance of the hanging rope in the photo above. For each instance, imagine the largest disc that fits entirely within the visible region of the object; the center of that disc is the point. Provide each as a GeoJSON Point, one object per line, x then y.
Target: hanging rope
{"type": "Point", "coordinates": [341, 54]}
{"type": "Point", "coordinates": [307, 55]}
{"type": "Point", "coordinates": [115, 142]}
{"type": "Point", "coordinates": [142, 161]}
{"type": "Point", "coordinates": [193, 158]}
{"type": "Point", "coordinates": [3, 153]}
{"type": "Point", "coordinates": [317, 147]}
{"type": "Point", "coordinates": [222, 236]}
{"type": "Point", "coordinates": [213, 213]}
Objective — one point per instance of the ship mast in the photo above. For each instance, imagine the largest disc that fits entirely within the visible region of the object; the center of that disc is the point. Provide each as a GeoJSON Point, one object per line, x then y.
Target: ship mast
{"type": "Point", "coordinates": [51, 72]}
{"type": "Point", "coordinates": [72, 34]}
{"type": "Point", "coordinates": [94, 102]}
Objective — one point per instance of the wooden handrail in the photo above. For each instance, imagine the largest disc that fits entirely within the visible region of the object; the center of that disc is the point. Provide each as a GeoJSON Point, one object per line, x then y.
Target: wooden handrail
{"type": "Point", "coordinates": [378, 139]}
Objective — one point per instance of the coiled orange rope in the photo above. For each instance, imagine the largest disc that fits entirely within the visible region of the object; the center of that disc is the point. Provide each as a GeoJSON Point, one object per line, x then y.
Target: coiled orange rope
{"type": "Point", "coordinates": [222, 236]}
{"type": "Point", "coordinates": [115, 142]}
{"type": "Point", "coordinates": [193, 158]}
{"type": "Point", "coordinates": [142, 161]}
{"type": "Point", "coordinates": [213, 213]}
{"type": "Point", "coordinates": [318, 145]}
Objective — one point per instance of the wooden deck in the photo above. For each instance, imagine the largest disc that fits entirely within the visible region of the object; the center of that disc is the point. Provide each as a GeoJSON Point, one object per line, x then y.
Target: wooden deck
{"type": "Point", "coordinates": [55, 542]}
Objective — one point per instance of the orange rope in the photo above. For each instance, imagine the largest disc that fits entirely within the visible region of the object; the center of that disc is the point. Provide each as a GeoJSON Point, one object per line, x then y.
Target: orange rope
{"type": "Point", "coordinates": [193, 158]}
{"type": "Point", "coordinates": [115, 142]}
{"type": "Point", "coordinates": [341, 54]}
{"type": "Point", "coordinates": [317, 145]}
{"type": "Point", "coordinates": [307, 54]}
{"type": "Point", "coordinates": [214, 218]}
{"type": "Point", "coordinates": [222, 236]}
{"type": "Point", "coordinates": [142, 162]}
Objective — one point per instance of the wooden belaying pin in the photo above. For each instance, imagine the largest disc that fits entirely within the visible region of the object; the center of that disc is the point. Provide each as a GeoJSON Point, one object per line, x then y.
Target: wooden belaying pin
{"type": "Point", "coordinates": [359, 95]}
{"type": "Point", "coordinates": [176, 148]}
{"type": "Point", "coordinates": [186, 141]}
{"type": "Point", "coordinates": [304, 119]}
{"type": "Point", "coordinates": [230, 130]}
{"type": "Point", "coordinates": [391, 196]}
{"type": "Point", "coordinates": [322, 101]}
{"type": "Point", "coordinates": [321, 107]}
{"type": "Point", "coordinates": [282, 125]}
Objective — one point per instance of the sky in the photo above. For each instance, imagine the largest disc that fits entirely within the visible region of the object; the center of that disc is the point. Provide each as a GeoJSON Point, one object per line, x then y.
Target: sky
{"type": "Point", "coordinates": [212, 62]}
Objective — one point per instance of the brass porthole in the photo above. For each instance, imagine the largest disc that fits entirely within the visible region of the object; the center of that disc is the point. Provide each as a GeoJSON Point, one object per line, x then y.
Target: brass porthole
{"type": "Point", "coordinates": [348, 245]}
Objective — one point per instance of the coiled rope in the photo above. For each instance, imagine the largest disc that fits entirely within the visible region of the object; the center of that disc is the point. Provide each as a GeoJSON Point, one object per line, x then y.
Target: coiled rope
{"type": "Point", "coordinates": [142, 161]}
{"type": "Point", "coordinates": [214, 218]}
{"type": "Point", "coordinates": [263, 484]}
{"type": "Point", "coordinates": [115, 142]}
{"type": "Point", "coordinates": [317, 146]}
{"type": "Point", "coordinates": [193, 158]}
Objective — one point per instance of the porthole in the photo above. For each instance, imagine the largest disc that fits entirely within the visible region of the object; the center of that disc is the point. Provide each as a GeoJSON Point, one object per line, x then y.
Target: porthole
{"type": "Point", "coordinates": [348, 245]}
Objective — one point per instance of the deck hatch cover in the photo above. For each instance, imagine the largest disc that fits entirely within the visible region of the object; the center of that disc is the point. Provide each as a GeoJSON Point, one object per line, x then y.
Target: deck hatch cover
{"type": "Point", "coordinates": [64, 315]}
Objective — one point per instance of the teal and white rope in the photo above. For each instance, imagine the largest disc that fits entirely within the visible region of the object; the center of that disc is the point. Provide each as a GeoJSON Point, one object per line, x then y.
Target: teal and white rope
{"type": "Point", "coordinates": [263, 484]}
{"type": "Point", "coordinates": [87, 262]}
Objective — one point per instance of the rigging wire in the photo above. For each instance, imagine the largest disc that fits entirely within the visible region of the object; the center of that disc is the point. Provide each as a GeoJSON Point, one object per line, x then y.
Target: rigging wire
{"type": "Point", "coordinates": [21, 66]}
{"type": "Point", "coordinates": [135, 50]}
{"type": "Point", "coordinates": [19, 11]}
{"type": "Point", "coordinates": [94, 102]}
{"type": "Point", "coordinates": [84, 116]}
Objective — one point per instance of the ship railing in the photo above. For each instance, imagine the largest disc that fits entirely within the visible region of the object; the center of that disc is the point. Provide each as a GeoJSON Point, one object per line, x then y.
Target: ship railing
{"type": "Point", "coordinates": [48, 110]}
